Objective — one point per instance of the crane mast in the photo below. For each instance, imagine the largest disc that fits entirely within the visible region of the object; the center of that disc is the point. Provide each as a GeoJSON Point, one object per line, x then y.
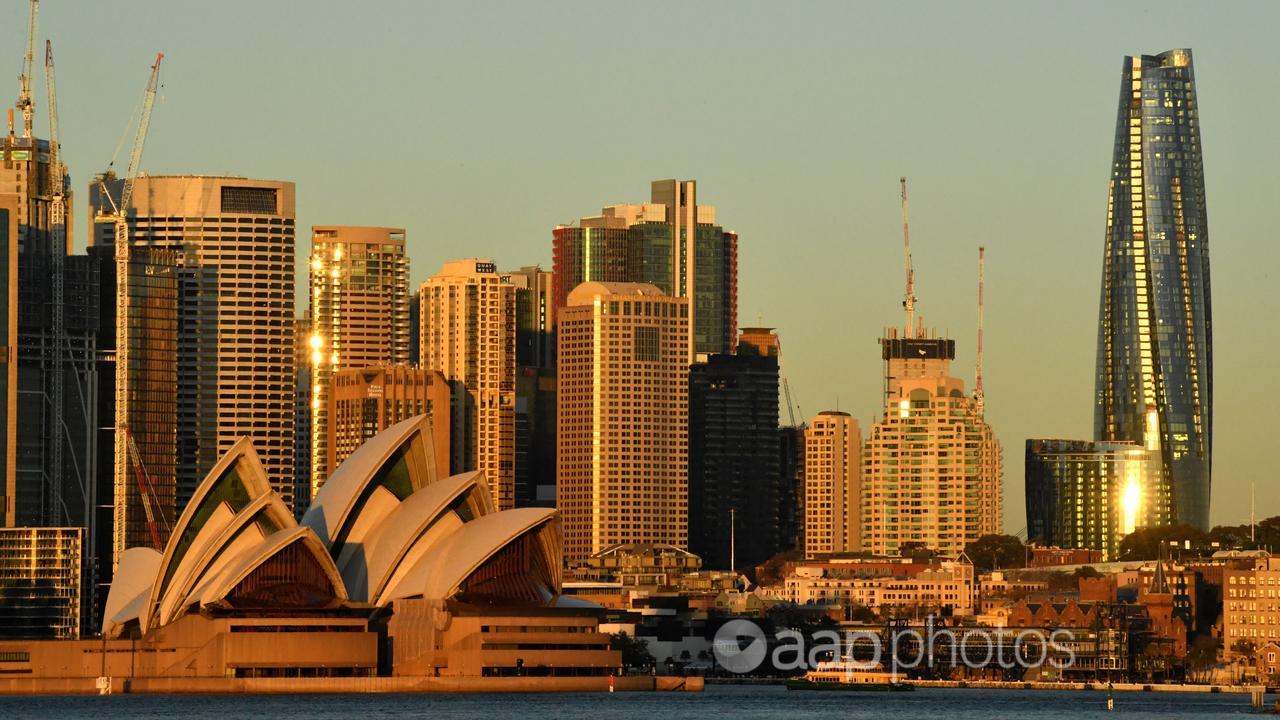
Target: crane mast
{"type": "Point", "coordinates": [979, 397]}
{"type": "Point", "coordinates": [24, 80]}
{"type": "Point", "coordinates": [909, 300]}
{"type": "Point", "coordinates": [123, 439]}
{"type": "Point", "coordinates": [58, 230]}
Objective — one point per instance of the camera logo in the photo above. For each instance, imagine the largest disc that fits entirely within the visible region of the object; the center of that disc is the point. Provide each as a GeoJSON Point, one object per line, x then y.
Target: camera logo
{"type": "Point", "coordinates": [740, 646]}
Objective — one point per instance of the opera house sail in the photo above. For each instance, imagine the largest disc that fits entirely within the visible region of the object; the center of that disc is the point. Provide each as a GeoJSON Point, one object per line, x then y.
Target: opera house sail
{"type": "Point", "coordinates": [392, 570]}
{"type": "Point", "coordinates": [1155, 341]}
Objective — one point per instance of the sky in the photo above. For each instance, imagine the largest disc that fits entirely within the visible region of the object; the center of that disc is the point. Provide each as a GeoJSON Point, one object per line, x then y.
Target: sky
{"type": "Point", "coordinates": [480, 126]}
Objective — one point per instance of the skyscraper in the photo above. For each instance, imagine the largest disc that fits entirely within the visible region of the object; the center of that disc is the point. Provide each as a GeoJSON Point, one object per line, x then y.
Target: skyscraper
{"type": "Point", "coordinates": [1091, 495]}
{"type": "Point", "coordinates": [535, 387]}
{"type": "Point", "coordinates": [359, 316]}
{"type": "Point", "coordinates": [832, 484]}
{"type": "Point", "coordinates": [622, 418]}
{"type": "Point", "coordinates": [468, 335]}
{"type": "Point", "coordinates": [1155, 331]}
{"type": "Point", "coordinates": [671, 242]}
{"type": "Point", "coordinates": [733, 454]}
{"type": "Point", "coordinates": [932, 467]}
{"type": "Point", "coordinates": [9, 371]}
{"type": "Point", "coordinates": [234, 240]}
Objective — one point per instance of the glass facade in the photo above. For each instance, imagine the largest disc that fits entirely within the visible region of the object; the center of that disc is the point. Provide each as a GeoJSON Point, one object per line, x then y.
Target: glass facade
{"type": "Point", "coordinates": [40, 582]}
{"type": "Point", "coordinates": [715, 277]}
{"type": "Point", "coordinates": [581, 255]}
{"type": "Point", "coordinates": [1090, 495]}
{"type": "Point", "coordinates": [1155, 352]}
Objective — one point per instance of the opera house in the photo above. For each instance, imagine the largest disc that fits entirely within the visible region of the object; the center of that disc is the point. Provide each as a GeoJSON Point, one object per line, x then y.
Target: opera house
{"type": "Point", "coordinates": [393, 572]}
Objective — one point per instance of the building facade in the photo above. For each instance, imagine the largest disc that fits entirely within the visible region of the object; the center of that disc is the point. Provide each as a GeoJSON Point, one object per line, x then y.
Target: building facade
{"type": "Point", "coordinates": [932, 467]}
{"type": "Point", "coordinates": [1090, 495]}
{"type": "Point", "coordinates": [234, 241]}
{"type": "Point", "coordinates": [365, 401]}
{"type": "Point", "coordinates": [671, 242]}
{"type": "Point", "coordinates": [622, 418]}
{"type": "Point", "coordinates": [733, 454]}
{"type": "Point", "coordinates": [535, 387]}
{"type": "Point", "coordinates": [468, 334]}
{"type": "Point", "coordinates": [41, 573]}
{"type": "Point", "coordinates": [9, 212]}
{"type": "Point", "coordinates": [1250, 607]}
{"type": "Point", "coordinates": [1155, 331]}
{"type": "Point", "coordinates": [832, 484]}
{"type": "Point", "coordinates": [359, 291]}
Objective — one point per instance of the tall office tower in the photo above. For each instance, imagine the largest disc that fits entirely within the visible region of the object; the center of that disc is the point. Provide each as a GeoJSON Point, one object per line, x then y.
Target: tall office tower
{"type": "Point", "coordinates": [733, 454]}
{"type": "Point", "coordinates": [832, 484]}
{"type": "Point", "coordinates": [1155, 331]}
{"type": "Point", "coordinates": [932, 467]}
{"type": "Point", "coordinates": [9, 212]}
{"type": "Point", "coordinates": [791, 487]}
{"type": "Point", "coordinates": [622, 420]}
{"type": "Point", "coordinates": [705, 269]}
{"type": "Point", "coordinates": [535, 414]}
{"type": "Point", "coordinates": [366, 401]}
{"type": "Point", "coordinates": [142, 492]}
{"type": "Point", "coordinates": [1091, 495]}
{"type": "Point", "coordinates": [302, 359]}
{"type": "Point", "coordinates": [415, 329]}
{"type": "Point", "coordinates": [234, 239]}
{"type": "Point", "coordinates": [468, 335]}
{"type": "Point", "coordinates": [359, 316]}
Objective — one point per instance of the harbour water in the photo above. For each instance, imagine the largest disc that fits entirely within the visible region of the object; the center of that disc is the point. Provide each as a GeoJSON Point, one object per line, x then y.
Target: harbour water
{"type": "Point", "coordinates": [728, 702]}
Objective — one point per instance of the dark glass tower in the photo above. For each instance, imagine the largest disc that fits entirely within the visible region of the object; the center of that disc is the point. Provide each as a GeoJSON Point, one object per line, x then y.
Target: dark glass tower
{"type": "Point", "coordinates": [1155, 340]}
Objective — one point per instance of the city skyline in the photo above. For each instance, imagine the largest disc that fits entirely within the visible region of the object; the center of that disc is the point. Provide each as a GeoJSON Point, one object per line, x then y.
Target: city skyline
{"type": "Point", "coordinates": [842, 189]}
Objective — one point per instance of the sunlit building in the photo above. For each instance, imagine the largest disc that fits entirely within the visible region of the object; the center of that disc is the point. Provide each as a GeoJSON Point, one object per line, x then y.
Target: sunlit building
{"type": "Point", "coordinates": [1090, 495]}
{"type": "Point", "coordinates": [359, 316]}
{"type": "Point", "coordinates": [365, 401]}
{"type": "Point", "coordinates": [622, 418]}
{"type": "Point", "coordinates": [932, 467]}
{"type": "Point", "coordinates": [832, 484]}
{"type": "Point", "coordinates": [1155, 342]}
{"type": "Point", "coordinates": [234, 241]}
{"type": "Point", "coordinates": [41, 571]}
{"type": "Point", "coordinates": [468, 334]}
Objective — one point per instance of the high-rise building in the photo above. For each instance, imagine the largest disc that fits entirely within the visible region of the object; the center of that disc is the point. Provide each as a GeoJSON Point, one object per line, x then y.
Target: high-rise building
{"type": "Point", "coordinates": [1090, 495]}
{"type": "Point", "coordinates": [365, 401]}
{"type": "Point", "coordinates": [932, 467]}
{"type": "Point", "coordinates": [1155, 331]}
{"type": "Point", "coordinates": [791, 507]}
{"type": "Point", "coordinates": [832, 484]}
{"type": "Point", "coordinates": [302, 414]}
{"type": "Point", "coordinates": [622, 418]}
{"type": "Point", "coordinates": [535, 387]}
{"type": "Point", "coordinates": [671, 242]}
{"type": "Point", "coordinates": [359, 316]}
{"type": "Point", "coordinates": [468, 335]}
{"type": "Point", "coordinates": [733, 454]}
{"type": "Point", "coordinates": [41, 573]}
{"type": "Point", "coordinates": [234, 240]}
{"type": "Point", "coordinates": [9, 211]}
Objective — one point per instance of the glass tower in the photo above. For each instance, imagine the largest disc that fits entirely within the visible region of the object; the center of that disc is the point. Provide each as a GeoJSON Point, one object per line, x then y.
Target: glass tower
{"type": "Point", "coordinates": [1155, 351]}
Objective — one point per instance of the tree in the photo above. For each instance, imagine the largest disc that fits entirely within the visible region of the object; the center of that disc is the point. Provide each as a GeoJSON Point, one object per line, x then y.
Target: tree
{"type": "Point", "coordinates": [1244, 646]}
{"type": "Point", "coordinates": [1144, 543]}
{"type": "Point", "coordinates": [917, 551]}
{"type": "Point", "coordinates": [1201, 657]}
{"type": "Point", "coordinates": [990, 552]}
{"type": "Point", "coordinates": [635, 652]}
{"type": "Point", "coordinates": [862, 614]}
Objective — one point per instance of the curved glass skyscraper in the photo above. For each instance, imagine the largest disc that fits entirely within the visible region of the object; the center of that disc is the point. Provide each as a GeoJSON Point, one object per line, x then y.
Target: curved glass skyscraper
{"type": "Point", "coordinates": [1155, 340]}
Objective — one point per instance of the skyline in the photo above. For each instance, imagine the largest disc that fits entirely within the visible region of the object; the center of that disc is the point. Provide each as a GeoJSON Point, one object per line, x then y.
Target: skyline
{"type": "Point", "coordinates": [827, 193]}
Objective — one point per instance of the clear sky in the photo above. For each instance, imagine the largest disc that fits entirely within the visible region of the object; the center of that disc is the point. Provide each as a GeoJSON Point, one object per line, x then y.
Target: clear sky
{"type": "Point", "coordinates": [479, 126]}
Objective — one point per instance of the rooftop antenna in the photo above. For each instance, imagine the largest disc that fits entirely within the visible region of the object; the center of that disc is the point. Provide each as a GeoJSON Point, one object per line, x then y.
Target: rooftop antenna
{"type": "Point", "coordinates": [979, 397]}
{"type": "Point", "coordinates": [909, 300]}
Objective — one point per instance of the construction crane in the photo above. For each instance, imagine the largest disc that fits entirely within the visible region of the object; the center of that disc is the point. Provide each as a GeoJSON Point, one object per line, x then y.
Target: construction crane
{"type": "Point", "coordinates": [119, 215]}
{"type": "Point", "coordinates": [979, 397]}
{"type": "Point", "coordinates": [24, 80]}
{"type": "Point", "coordinates": [909, 300]}
{"type": "Point", "coordinates": [157, 521]}
{"type": "Point", "coordinates": [58, 228]}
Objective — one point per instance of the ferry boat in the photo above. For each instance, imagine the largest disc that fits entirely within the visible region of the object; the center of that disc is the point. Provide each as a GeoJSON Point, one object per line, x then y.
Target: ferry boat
{"type": "Point", "coordinates": [849, 676]}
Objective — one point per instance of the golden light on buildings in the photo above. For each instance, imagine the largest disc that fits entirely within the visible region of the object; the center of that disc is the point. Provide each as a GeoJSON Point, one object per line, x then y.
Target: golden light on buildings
{"type": "Point", "coordinates": [1131, 503]}
{"type": "Point", "coordinates": [316, 341]}
{"type": "Point", "coordinates": [904, 408]}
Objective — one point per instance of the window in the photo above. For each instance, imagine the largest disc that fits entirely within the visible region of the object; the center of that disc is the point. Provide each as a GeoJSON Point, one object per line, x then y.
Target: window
{"type": "Point", "coordinates": [645, 344]}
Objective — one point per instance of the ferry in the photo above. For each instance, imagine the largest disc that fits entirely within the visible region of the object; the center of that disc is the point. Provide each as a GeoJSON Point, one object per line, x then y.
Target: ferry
{"type": "Point", "coordinates": [849, 676]}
